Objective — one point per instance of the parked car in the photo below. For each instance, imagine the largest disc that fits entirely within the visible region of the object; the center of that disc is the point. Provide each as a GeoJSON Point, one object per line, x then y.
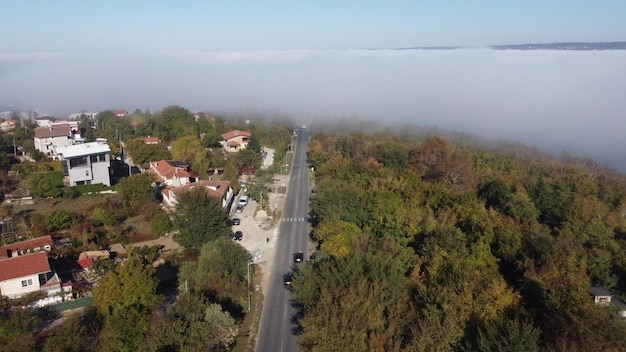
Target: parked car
{"type": "Point", "coordinates": [235, 221]}
{"type": "Point", "coordinates": [238, 235]}
{"type": "Point", "coordinates": [239, 209]}
{"type": "Point", "coordinates": [243, 200]}
{"type": "Point", "coordinates": [298, 257]}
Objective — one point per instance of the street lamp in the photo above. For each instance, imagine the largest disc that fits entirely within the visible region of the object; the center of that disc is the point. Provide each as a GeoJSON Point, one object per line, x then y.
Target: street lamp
{"type": "Point", "coordinates": [249, 294]}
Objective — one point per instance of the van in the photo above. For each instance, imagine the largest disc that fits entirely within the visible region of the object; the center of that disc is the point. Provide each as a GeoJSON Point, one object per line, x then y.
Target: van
{"type": "Point", "coordinates": [243, 200]}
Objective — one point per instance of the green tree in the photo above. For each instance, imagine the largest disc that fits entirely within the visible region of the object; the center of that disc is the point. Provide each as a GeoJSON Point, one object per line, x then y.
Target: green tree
{"type": "Point", "coordinates": [254, 143]}
{"type": "Point", "coordinates": [143, 153]}
{"type": "Point", "coordinates": [508, 335]}
{"type": "Point", "coordinates": [199, 218]}
{"type": "Point", "coordinates": [174, 122]}
{"type": "Point", "coordinates": [137, 189]}
{"type": "Point", "coordinates": [132, 285]}
{"type": "Point", "coordinates": [192, 324]}
{"type": "Point", "coordinates": [77, 333]}
{"type": "Point", "coordinates": [219, 272]}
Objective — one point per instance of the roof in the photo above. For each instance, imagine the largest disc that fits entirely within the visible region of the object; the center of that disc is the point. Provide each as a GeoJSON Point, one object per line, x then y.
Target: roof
{"type": "Point", "coordinates": [57, 130]}
{"type": "Point", "coordinates": [101, 254]}
{"type": "Point", "coordinates": [84, 263]}
{"type": "Point", "coordinates": [24, 265]}
{"type": "Point", "coordinates": [168, 169]}
{"type": "Point", "coordinates": [78, 150]}
{"type": "Point", "coordinates": [235, 133]}
{"type": "Point", "coordinates": [151, 140]}
{"type": "Point", "coordinates": [31, 244]}
{"type": "Point", "coordinates": [597, 291]}
{"type": "Point", "coordinates": [214, 188]}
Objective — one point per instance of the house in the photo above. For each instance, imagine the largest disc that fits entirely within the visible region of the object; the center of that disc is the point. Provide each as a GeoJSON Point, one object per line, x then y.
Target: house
{"type": "Point", "coordinates": [43, 243]}
{"type": "Point", "coordinates": [603, 297]}
{"type": "Point", "coordinates": [29, 273]}
{"type": "Point", "coordinates": [235, 140]}
{"type": "Point", "coordinates": [218, 189]}
{"type": "Point", "coordinates": [121, 113]}
{"type": "Point", "coordinates": [151, 140]}
{"type": "Point", "coordinates": [172, 173]}
{"type": "Point", "coordinates": [8, 125]}
{"type": "Point", "coordinates": [53, 136]}
{"type": "Point", "coordinates": [85, 164]}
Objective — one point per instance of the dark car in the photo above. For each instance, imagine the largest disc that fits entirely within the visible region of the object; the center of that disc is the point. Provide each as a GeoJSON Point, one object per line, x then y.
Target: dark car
{"type": "Point", "coordinates": [238, 235]}
{"type": "Point", "coordinates": [287, 280]}
{"type": "Point", "coordinates": [239, 209]}
{"type": "Point", "coordinates": [298, 257]}
{"type": "Point", "coordinates": [235, 221]}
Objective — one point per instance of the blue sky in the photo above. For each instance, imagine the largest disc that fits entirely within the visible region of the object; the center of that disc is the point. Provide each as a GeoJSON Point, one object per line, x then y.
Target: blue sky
{"type": "Point", "coordinates": [140, 25]}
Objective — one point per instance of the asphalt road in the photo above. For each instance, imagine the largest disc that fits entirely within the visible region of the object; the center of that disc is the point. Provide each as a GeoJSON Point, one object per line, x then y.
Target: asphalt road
{"type": "Point", "coordinates": [277, 327]}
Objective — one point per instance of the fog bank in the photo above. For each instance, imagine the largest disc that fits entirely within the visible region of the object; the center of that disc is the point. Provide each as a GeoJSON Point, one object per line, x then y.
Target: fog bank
{"type": "Point", "coordinates": [555, 100]}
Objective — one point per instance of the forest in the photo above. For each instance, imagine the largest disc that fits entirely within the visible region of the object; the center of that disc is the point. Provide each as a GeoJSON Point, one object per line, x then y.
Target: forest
{"type": "Point", "coordinates": [438, 243]}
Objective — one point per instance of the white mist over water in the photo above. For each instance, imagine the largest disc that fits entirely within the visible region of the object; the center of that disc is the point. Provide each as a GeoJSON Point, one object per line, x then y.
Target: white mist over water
{"type": "Point", "coordinates": [556, 100]}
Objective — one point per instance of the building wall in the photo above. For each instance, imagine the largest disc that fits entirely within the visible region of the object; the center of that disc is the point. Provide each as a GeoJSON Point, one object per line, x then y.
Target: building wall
{"type": "Point", "coordinates": [90, 173]}
{"type": "Point", "coordinates": [48, 144]}
{"type": "Point", "coordinates": [13, 287]}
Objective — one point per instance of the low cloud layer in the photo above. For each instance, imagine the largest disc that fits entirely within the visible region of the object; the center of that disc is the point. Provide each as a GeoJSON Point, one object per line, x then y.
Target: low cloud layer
{"type": "Point", "coordinates": [555, 100]}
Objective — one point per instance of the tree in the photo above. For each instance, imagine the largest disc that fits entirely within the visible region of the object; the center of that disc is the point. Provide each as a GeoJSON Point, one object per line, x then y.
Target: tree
{"type": "Point", "coordinates": [254, 143]}
{"type": "Point", "coordinates": [192, 323]}
{"type": "Point", "coordinates": [438, 160]}
{"type": "Point", "coordinates": [130, 285]}
{"type": "Point", "coordinates": [220, 271]}
{"type": "Point", "coordinates": [78, 333]}
{"type": "Point", "coordinates": [137, 189]}
{"type": "Point", "coordinates": [508, 335]}
{"type": "Point", "coordinates": [174, 122]}
{"type": "Point", "coordinates": [124, 298]}
{"type": "Point", "coordinates": [199, 218]}
{"type": "Point", "coordinates": [143, 153]}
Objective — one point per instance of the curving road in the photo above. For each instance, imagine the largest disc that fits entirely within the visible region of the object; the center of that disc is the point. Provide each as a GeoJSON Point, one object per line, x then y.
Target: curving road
{"type": "Point", "coordinates": [276, 329]}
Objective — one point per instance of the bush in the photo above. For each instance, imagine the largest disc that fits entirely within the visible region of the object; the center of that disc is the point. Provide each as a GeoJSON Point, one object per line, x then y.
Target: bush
{"type": "Point", "coordinates": [160, 224]}
{"type": "Point", "coordinates": [60, 220]}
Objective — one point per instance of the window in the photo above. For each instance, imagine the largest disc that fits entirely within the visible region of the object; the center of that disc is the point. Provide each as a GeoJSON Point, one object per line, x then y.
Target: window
{"type": "Point", "coordinates": [26, 283]}
{"type": "Point", "coordinates": [98, 158]}
{"type": "Point", "coordinates": [78, 162]}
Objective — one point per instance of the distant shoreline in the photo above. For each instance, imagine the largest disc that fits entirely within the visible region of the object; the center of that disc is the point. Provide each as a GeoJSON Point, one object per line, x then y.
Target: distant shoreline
{"type": "Point", "coordinates": [571, 46]}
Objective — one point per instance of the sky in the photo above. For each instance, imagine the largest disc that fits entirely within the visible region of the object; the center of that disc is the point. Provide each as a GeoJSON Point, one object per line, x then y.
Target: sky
{"type": "Point", "coordinates": [312, 60]}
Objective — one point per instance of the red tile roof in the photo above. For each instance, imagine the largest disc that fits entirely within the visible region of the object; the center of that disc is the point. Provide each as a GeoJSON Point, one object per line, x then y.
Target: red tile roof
{"type": "Point", "coordinates": [235, 133]}
{"type": "Point", "coordinates": [24, 265]}
{"type": "Point", "coordinates": [31, 244]}
{"type": "Point", "coordinates": [168, 169]}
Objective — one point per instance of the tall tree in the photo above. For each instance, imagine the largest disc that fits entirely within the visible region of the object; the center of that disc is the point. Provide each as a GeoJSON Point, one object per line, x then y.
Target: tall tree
{"type": "Point", "coordinates": [199, 218]}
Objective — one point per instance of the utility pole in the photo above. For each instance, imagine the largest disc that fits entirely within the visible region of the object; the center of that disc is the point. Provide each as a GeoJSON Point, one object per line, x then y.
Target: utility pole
{"type": "Point", "coordinates": [249, 293]}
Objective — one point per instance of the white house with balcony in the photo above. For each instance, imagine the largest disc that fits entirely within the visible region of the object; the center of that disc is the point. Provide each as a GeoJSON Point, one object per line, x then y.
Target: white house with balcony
{"type": "Point", "coordinates": [85, 164]}
{"type": "Point", "coordinates": [28, 273]}
{"type": "Point", "coordinates": [51, 137]}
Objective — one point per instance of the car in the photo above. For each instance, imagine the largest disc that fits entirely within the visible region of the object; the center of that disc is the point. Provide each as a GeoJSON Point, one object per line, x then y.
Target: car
{"type": "Point", "coordinates": [235, 221]}
{"type": "Point", "coordinates": [238, 235]}
{"type": "Point", "coordinates": [287, 280]}
{"type": "Point", "coordinates": [243, 200]}
{"type": "Point", "coordinates": [239, 209]}
{"type": "Point", "coordinates": [298, 257]}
